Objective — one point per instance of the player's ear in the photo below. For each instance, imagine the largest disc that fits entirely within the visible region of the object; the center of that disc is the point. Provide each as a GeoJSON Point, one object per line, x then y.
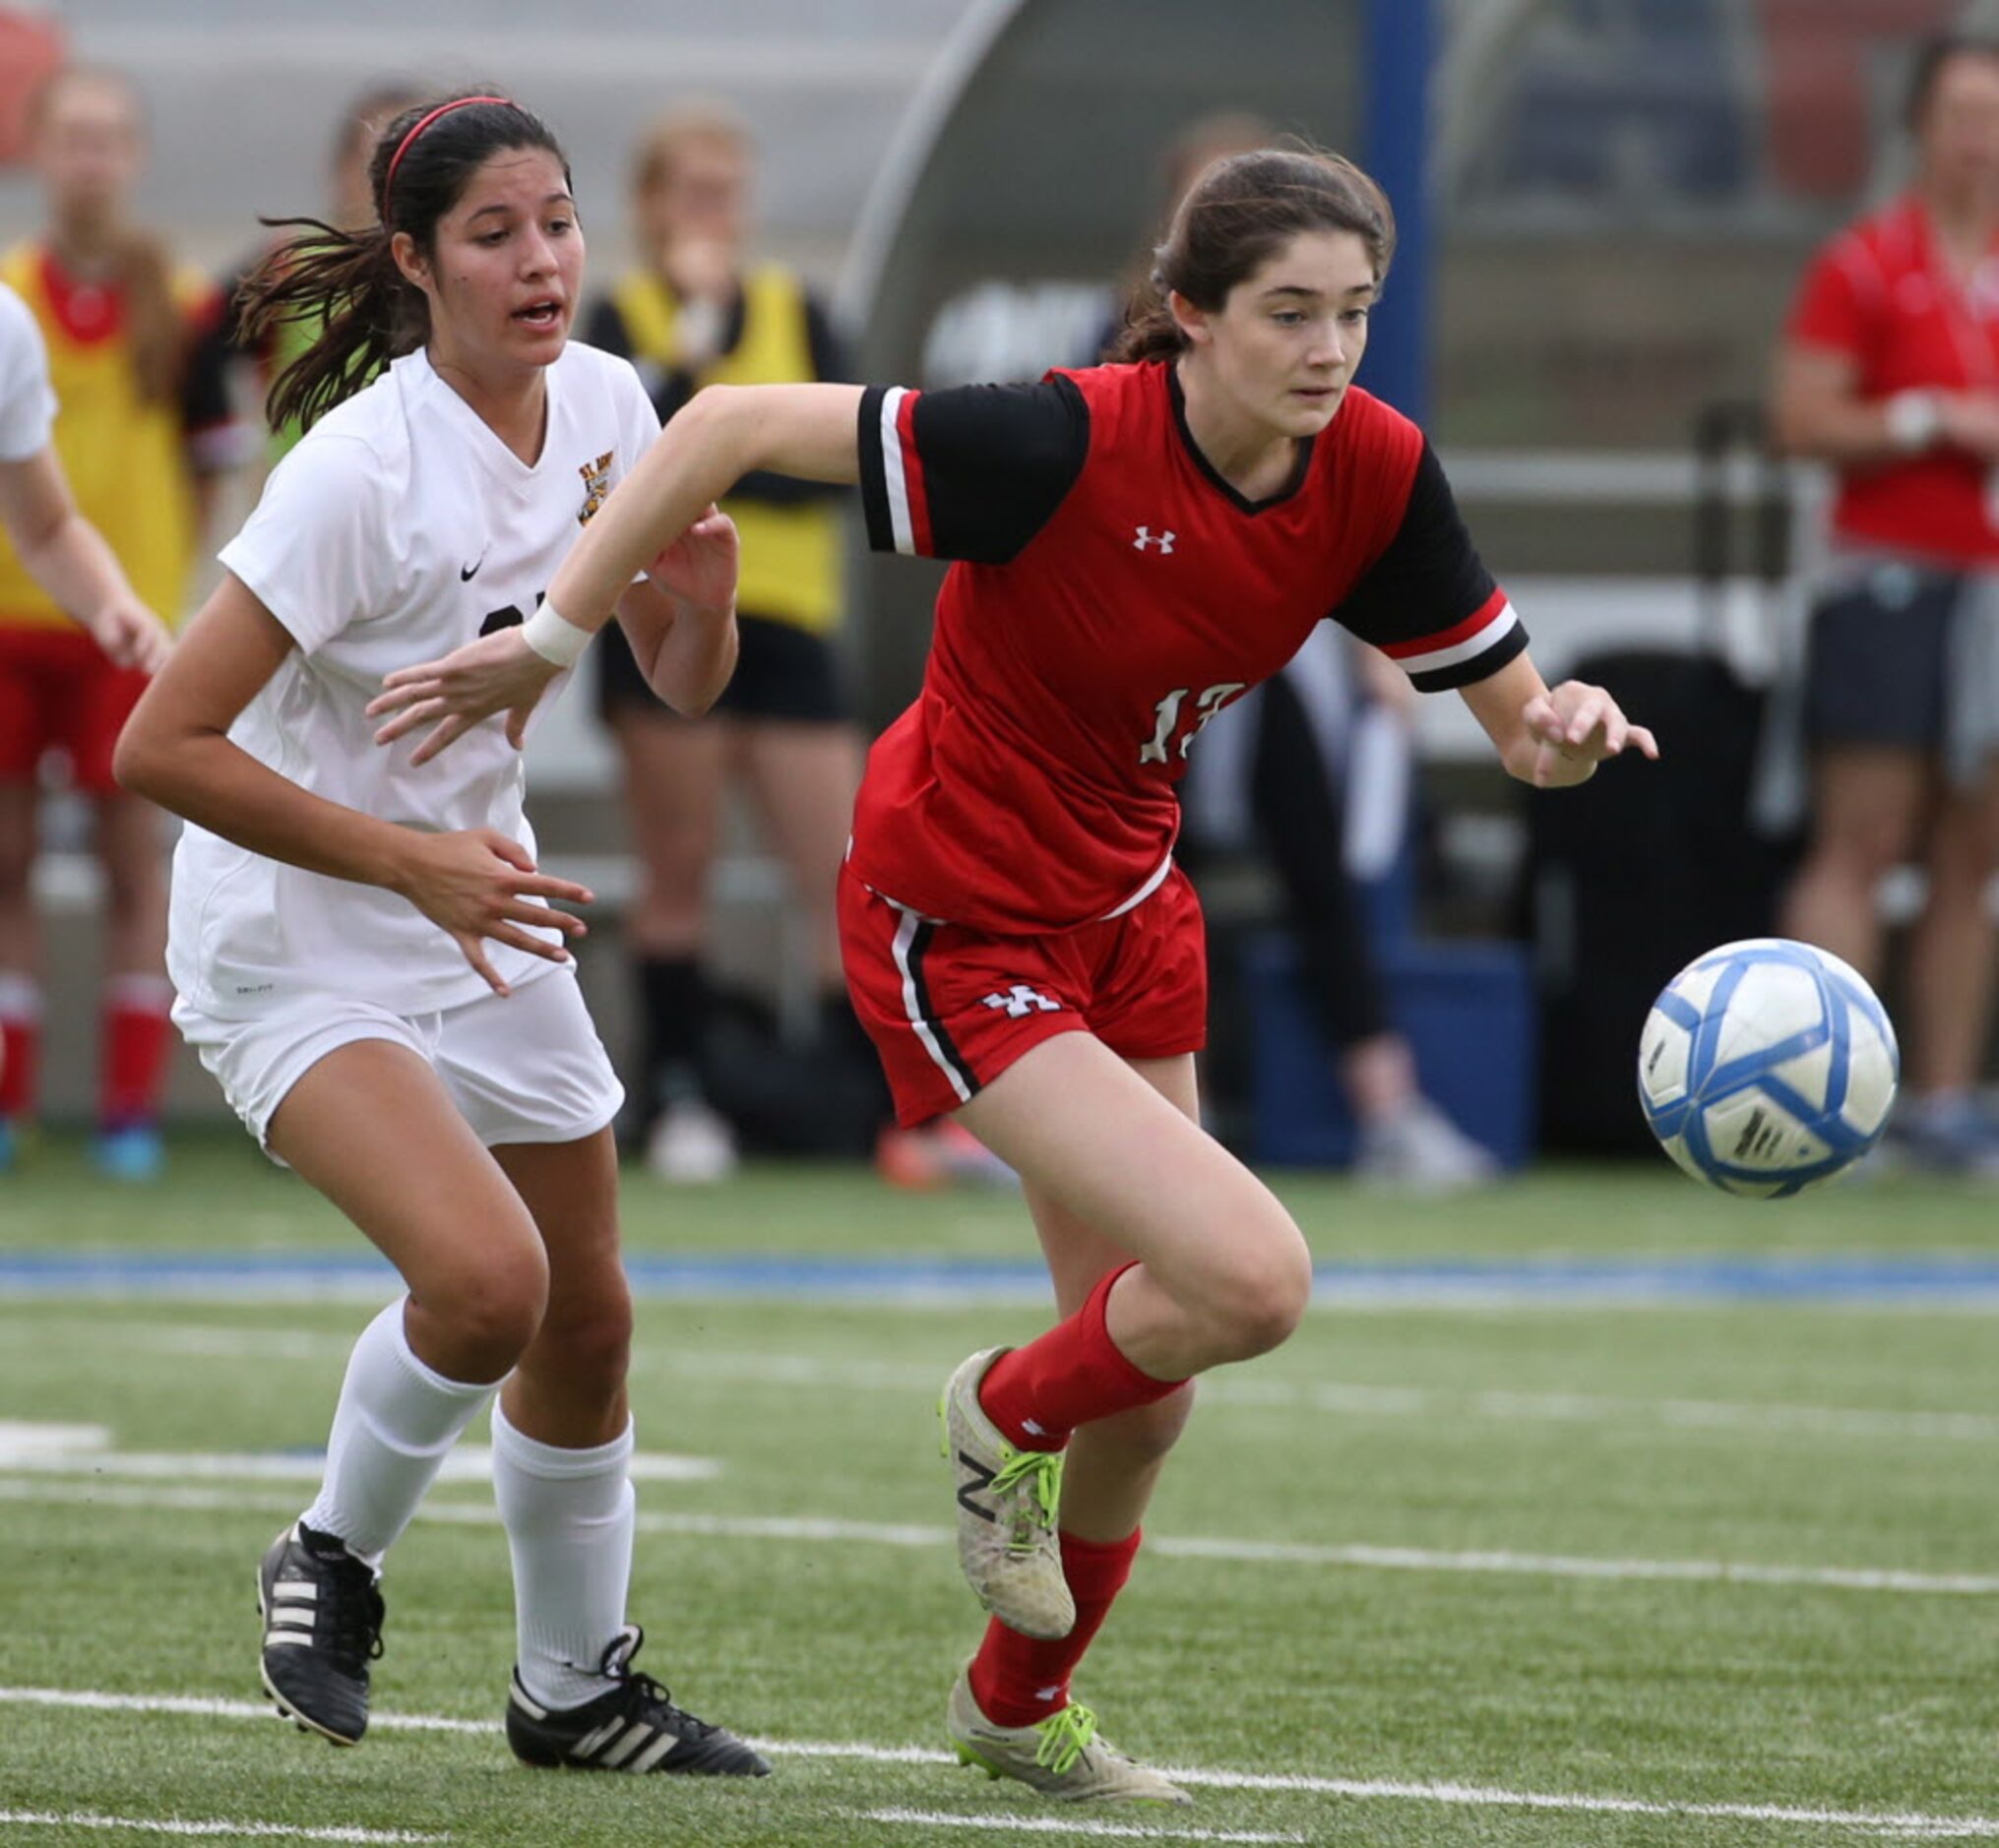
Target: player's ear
{"type": "Point", "coordinates": [409, 259]}
{"type": "Point", "coordinates": [1191, 321]}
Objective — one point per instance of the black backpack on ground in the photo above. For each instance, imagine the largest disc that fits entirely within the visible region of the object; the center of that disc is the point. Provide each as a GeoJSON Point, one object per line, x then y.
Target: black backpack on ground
{"type": "Point", "coordinates": [1638, 871]}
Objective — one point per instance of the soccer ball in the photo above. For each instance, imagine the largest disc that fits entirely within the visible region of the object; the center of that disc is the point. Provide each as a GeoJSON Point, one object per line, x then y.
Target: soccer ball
{"type": "Point", "coordinates": [1766, 1067]}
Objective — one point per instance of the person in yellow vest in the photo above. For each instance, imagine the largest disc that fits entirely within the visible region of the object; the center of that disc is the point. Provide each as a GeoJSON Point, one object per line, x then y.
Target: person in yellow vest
{"type": "Point", "coordinates": [696, 312]}
{"type": "Point", "coordinates": [142, 423]}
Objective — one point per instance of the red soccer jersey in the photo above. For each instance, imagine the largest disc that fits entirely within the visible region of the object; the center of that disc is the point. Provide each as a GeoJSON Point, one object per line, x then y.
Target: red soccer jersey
{"type": "Point", "coordinates": [1881, 294]}
{"type": "Point", "coordinates": [1113, 592]}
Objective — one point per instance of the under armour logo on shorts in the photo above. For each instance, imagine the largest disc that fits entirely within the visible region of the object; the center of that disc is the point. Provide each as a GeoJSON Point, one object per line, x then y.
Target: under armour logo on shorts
{"type": "Point", "coordinates": [1021, 1000]}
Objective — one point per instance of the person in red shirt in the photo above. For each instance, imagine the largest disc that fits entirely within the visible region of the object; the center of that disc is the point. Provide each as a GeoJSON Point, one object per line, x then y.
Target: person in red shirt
{"type": "Point", "coordinates": [1890, 371]}
{"type": "Point", "coordinates": [1137, 544]}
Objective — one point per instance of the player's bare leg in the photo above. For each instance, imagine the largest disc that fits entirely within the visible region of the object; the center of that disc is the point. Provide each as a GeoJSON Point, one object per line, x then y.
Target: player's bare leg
{"type": "Point", "coordinates": [1010, 1711]}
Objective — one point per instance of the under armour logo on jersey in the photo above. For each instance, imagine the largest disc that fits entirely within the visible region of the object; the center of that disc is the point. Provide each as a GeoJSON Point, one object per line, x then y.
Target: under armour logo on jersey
{"type": "Point", "coordinates": [1146, 536]}
{"type": "Point", "coordinates": [1020, 1001]}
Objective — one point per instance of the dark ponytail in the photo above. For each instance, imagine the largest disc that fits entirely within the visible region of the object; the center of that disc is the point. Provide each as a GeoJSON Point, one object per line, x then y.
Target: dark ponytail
{"type": "Point", "coordinates": [343, 288]}
{"type": "Point", "coordinates": [1240, 213]}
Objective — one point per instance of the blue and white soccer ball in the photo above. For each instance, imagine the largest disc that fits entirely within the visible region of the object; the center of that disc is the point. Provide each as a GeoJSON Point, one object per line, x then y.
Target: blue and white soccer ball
{"type": "Point", "coordinates": [1766, 1067]}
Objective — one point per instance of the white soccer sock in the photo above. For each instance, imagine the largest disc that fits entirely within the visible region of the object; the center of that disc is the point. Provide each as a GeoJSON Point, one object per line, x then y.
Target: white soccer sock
{"type": "Point", "coordinates": [395, 1421]}
{"type": "Point", "coordinates": [569, 1516]}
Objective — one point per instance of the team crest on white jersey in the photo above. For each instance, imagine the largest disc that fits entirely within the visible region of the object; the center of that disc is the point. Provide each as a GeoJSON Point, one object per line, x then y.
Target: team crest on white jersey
{"type": "Point", "coordinates": [1146, 536]}
{"type": "Point", "coordinates": [596, 483]}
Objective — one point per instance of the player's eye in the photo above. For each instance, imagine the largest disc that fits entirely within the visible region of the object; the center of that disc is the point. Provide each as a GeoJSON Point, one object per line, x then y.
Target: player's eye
{"type": "Point", "coordinates": [490, 239]}
{"type": "Point", "coordinates": [1288, 318]}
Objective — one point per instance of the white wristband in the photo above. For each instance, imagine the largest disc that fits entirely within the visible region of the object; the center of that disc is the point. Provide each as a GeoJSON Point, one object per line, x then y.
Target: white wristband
{"type": "Point", "coordinates": [553, 637]}
{"type": "Point", "coordinates": [1913, 420]}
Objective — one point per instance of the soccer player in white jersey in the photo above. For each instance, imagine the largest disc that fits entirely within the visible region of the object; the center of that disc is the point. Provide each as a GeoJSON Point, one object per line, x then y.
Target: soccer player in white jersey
{"type": "Point", "coordinates": [368, 961]}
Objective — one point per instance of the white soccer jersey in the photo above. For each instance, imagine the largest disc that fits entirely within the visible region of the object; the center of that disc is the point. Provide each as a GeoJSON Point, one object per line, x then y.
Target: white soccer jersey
{"type": "Point", "coordinates": [27, 399]}
{"type": "Point", "coordinates": [398, 528]}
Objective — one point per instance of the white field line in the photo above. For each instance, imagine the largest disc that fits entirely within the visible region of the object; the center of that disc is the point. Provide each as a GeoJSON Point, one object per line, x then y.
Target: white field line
{"type": "Point", "coordinates": [803, 1531]}
{"type": "Point", "coordinates": [1058, 1825]}
{"type": "Point", "coordinates": [468, 1462]}
{"type": "Point", "coordinates": [1876, 1822]}
{"type": "Point", "coordinates": [1343, 1399]}
{"type": "Point", "coordinates": [177, 1825]}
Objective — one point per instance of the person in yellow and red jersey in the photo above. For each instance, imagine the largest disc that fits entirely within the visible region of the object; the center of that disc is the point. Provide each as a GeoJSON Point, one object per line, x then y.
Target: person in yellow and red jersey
{"type": "Point", "coordinates": [142, 423]}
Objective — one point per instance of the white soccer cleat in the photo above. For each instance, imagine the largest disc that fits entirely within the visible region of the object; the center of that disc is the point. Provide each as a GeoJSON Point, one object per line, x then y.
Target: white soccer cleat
{"type": "Point", "coordinates": [1008, 1501]}
{"type": "Point", "coordinates": [1420, 1148]}
{"type": "Point", "coordinates": [691, 1145]}
{"type": "Point", "coordinates": [1063, 1757]}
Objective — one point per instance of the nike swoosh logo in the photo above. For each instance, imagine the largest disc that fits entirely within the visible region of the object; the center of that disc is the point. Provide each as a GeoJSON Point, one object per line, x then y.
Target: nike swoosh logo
{"type": "Point", "coordinates": [466, 573]}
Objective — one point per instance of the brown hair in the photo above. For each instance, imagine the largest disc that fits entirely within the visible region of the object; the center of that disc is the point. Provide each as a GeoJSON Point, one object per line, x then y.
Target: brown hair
{"type": "Point", "coordinates": [344, 286]}
{"type": "Point", "coordinates": [140, 268]}
{"type": "Point", "coordinates": [1932, 57]}
{"type": "Point", "coordinates": [1240, 213]}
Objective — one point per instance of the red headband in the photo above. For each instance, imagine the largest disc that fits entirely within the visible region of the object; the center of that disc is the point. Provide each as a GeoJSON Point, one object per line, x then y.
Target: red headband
{"type": "Point", "coordinates": [443, 108]}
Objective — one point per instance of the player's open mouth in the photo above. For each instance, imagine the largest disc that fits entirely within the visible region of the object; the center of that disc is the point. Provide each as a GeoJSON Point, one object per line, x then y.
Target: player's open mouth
{"type": "Point", "coordinates": [539, 314]}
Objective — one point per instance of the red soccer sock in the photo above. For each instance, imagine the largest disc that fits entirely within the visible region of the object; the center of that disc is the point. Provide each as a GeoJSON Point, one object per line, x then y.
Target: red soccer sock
{"type": "Point", "coordinates": [20, 1043]}
{"type": "Point", "coordinates": [1071, 1376]}
{"type": "Point", "coordinates": [134, 1043]}
{"type": "Point", "coordinates": [1017, 1679]}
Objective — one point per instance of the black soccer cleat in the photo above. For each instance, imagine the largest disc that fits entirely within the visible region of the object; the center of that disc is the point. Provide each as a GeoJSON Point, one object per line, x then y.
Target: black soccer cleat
{"type": "Point", "coordinates": [322, 1615]}
{"type": "Point", "coordinates": [635, 1727]}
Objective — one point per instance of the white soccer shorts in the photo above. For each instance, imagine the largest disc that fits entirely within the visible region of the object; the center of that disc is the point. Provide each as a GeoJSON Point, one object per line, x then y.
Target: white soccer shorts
{"type": "Point", "coordinates": [520, 1067]}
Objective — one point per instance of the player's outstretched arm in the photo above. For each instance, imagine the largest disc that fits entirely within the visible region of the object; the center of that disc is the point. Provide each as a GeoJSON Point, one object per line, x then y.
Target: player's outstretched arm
{"type": "Point", "coordinates": [723, 435]}
{"type": "Point", "coordinates": [68, 557]}
{"type": "Point", "coordinates": [175, 750]}
{"type": "Point", "coordinates": [681, 622]}
{"type": "Point", "coordinates": [1552, 738]}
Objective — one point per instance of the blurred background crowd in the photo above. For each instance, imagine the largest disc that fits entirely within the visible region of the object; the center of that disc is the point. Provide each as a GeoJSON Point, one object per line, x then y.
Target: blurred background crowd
{"type": "Point", "coordinates": [1699, 300]}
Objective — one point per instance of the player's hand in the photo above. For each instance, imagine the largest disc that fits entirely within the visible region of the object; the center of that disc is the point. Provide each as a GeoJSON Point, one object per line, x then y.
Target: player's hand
{"type": "Point", "coordinates": [477, 886]}
{"type": "Point", "coordinates": [498, 673]}
{"type": "Point", "coordinates": [1575, 727]}
{"type": "Point", "coordinates": [131, 636]}
{"type": "Point", "coordinates": [700, 567]}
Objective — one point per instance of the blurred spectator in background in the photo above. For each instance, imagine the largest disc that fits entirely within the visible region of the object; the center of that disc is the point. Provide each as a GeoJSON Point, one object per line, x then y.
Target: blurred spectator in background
{"type": "Point", "coordinates": [352, 206]}
{"type": "Point", "coordinates": [142, 425]}
{"type": "Point", "coordinates": [1890, 371]}
{"type": "Point", "coordinates": [1276, 772]}
{"type": "Point", "coordinates": [697, 311]}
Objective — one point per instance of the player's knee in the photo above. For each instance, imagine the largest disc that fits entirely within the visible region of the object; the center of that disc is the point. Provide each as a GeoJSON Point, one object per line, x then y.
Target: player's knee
{"type": "Point", "coordinates": [493, 1310]}
{"type": "Point", "coordinates": [1261, 1301]}
{"type": "Point", "coordinates": [592, 1346]}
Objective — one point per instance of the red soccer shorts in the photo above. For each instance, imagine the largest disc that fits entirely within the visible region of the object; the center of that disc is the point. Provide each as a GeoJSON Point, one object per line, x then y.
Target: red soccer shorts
{"type": "Point", "coordinates": [950, 1009]}
{"type": "Point", "coordinates": [59, 689]}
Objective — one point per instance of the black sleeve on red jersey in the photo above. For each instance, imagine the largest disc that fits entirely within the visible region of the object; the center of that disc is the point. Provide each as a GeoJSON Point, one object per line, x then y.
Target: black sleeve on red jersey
{"type": "Point", "coordinates": [1430, 595]}
{"type": "Point", "coordinates": [972, 471]}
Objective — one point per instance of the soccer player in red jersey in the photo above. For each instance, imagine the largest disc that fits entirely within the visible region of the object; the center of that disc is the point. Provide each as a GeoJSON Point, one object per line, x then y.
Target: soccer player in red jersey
{"type": "Point", "coordinates": [1138, 543]}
